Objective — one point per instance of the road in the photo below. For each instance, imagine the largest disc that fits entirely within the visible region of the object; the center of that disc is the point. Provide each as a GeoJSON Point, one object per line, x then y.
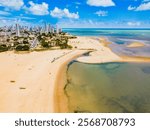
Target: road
{"type": "Point", "coordinates": [34, 43]}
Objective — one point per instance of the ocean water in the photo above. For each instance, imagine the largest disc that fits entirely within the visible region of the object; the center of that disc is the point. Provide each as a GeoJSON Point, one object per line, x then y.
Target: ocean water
{"type": "Point", "coordinates": [109, 87]}
{"type": "Point", "coordinates": [120, 38]}
{"type": "Point", "coordinates": [119, 33]}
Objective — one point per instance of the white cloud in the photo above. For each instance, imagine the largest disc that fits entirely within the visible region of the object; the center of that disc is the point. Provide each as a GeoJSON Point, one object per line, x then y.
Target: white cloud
{"type": "Point", "coordinates": [101, 13]}
{"type": "Point", "coordinates": [59, 13]}
{"type": "Point", "coordinates": [4, 13]}
{"type": "Point", "coordinates": [144, 6]}
{"type": "Point", "coordinates": [141, 7]}
{"type": "Point", "coordinates": [12, 4]}
{"type": "Point", "coordinates": [37, 9]}
{"type": "Point", "coordinates": [133, 23]}
{"type": "Point", "coordinates": [103, 3]}
{"type": "Point", "coordinates": [93, 23]}
{"type": "Point", "coordinates": [131, 8]}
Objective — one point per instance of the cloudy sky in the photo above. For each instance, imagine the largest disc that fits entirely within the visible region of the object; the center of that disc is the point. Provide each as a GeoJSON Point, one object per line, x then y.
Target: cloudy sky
{"type": "Point", "coordinates": [77, 13]}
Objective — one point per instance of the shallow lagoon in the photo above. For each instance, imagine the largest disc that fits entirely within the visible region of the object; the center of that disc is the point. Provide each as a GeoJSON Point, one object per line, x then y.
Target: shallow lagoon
{"type": "Point", "coordinates": [120, 38]}
{"type": "Point", "coordinates": [109, 87]}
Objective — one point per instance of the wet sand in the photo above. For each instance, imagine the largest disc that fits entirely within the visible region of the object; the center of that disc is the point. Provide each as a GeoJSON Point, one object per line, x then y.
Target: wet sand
{"type": "Point", "coordinates": [99, 53]}
{"type": "Point", "coordinates": [60, 97]}
{"type": "Point", "coordinates": [135, 44]}
{"type": "Point", "coordinates": [102, 53]}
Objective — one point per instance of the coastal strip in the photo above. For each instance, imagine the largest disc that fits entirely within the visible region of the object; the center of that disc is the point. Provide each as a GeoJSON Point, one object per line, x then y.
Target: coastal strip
{"type": "Point", "coordinates": [35, 81]}
{"type": "Point", "coordinates": [101, 52]}
{"type": "Point", "coordinates": [60, 99]}
{"type": "Point", "coordinates": [28, 79]}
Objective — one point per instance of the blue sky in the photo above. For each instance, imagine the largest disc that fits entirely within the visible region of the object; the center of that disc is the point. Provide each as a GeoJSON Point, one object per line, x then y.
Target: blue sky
{"type": "Point", "coordinates": [77, 13]}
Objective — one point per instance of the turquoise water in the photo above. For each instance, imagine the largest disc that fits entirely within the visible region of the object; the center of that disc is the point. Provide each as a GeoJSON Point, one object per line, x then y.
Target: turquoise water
{"type": "Point", "coordinates": [122, 33]}
{"type": "Point", "coordinates": [109, 87]}
{"type": "Point", "coordinates": [120, 38]}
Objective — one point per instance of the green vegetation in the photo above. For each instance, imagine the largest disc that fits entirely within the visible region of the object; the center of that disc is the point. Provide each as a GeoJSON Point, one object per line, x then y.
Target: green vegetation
{"type": "Point", "coordinates": [54, 40]}
{"type": "Point", "coordinates": [69, 47]}
{"type": "Point", "coordinates": [45, 44]}
{"type": "Point", "coordinates": [22, 47]}
{"type": "Point", "coordinates": [16, 43]}
{"type": "Point", "coordinates": [25, 42]}
{"type": "Point", "coordinates": [4, 47]}
{"type": "Point", "coordinates": [28, 39]}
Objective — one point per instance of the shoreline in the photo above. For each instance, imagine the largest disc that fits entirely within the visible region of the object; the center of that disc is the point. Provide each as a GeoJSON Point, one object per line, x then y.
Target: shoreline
{"type": "Point", "coordinates": [38, 78]}
{"type": "Point", "coordinates": [61, 98]}
{"type": "Point", "coordinates": [104, 54]}
{"type": "Point", "coordinates": [28, 79]}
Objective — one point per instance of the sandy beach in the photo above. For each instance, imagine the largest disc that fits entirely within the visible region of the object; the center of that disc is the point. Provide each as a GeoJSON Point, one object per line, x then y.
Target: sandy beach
{"type": "Point", "coordinates": [28, 80]}
{"type": "Point", "coordinates": [34, 82]}
{"type": "Point", "coordinates": [101, 53]}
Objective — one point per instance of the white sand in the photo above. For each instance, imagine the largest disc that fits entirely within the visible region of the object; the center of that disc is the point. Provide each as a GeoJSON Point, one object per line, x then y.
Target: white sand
{"type": "Point", "coordinates": [100, 54]}
{"type": "Point", "coordinates": [34, 79]}
{"type": "Point", "coordinates": [33, 82]}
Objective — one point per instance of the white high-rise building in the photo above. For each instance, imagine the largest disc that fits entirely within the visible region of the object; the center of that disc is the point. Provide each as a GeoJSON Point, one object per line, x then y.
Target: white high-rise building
{"type": "Point", "coordinates": [57, 29]}
{"type": "Point", "coordinates": [45, 27]}
{"type": "Point", "coordinates": [17, 30]}
{"type": "Point", "coordinates": [49, 28]}
{"type": "Point", "coordinates": [42, 30]}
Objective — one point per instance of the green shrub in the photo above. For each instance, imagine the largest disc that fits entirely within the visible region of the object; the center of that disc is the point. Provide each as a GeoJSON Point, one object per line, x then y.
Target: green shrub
{"type": "Point", "coordinates": [62, 47]}
{"type": "Point", "coordinates": [44, 44]}
{"type": "Point", "coordinates": [43, 34]}
{"type": "Point", "coordinates": [8, 40]}
{"type": "Point", "coordinates": [69, 47]}
{"type": "Point", "coordinates": [72, 37]}
{"type": "Point", "coordinates": [25, 42]}
{"type": "Point", "coordinates": [22, 47]}
{"type": "Point", "coordinates": [39, 37]}
{"type": "Point", "coordinates": [16, 43]}
{"type": "Point", "coordinates": [3, 47]}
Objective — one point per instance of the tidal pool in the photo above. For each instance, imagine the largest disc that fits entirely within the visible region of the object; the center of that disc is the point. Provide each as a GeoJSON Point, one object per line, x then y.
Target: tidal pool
{"type": "Point", "coordinates": [108, 87]}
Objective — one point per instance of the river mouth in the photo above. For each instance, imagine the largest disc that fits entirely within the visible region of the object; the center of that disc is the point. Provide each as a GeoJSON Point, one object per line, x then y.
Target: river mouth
{"type": "Point", "coordinates": [109, 87]}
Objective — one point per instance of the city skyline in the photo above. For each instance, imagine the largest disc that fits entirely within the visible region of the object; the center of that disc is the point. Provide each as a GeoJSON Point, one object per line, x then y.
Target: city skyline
{"type": "Point", "coordinates": [77, 14]}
